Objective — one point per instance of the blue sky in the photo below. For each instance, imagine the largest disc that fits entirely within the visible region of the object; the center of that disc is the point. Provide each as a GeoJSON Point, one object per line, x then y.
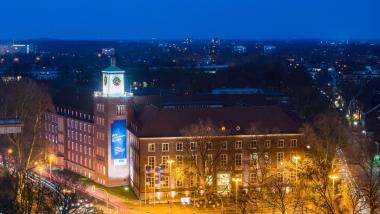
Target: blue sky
{"type": "Point", "coordinates": [172, 19]}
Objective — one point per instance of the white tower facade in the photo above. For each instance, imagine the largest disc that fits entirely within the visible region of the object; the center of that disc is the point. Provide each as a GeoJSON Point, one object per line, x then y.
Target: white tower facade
{"type": "Point", "coordinates": [113, 81]}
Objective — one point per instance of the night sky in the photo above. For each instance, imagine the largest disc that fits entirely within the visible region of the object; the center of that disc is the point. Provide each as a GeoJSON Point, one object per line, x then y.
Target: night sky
{"type": "Point", "coordinates": [174, 19]}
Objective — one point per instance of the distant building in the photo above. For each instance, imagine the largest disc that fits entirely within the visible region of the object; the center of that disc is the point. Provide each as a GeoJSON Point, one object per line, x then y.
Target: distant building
{"type": "Point", "coordinates": [239, 49]}
{"type": "Point", "coordinates": [45, 73]}
{"type": "Point", "coordinates": [269, 49]}
{"type": "Point", "coordinates": [109, 52]}
{"type": "Point", "coordinates": [17, 49]}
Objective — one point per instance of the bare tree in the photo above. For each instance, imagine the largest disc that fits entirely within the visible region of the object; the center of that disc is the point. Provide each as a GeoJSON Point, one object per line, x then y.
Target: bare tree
{"type": "Point", "coordinates": [27, 101]}
{"type": "Point", "coordinates": [203, 149]}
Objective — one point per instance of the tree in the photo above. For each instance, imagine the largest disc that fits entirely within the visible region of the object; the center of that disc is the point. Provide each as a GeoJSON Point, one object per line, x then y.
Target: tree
{"type": "Point", "coordinates": [324, 136]}
{"type": "Point", "coordinates": [27, 101]}
{"type": "Point", "coordinates": [203, 149]}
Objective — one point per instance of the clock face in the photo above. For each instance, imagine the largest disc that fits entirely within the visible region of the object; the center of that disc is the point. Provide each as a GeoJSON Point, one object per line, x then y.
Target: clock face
{"type": "Point", "coordinates": [105, 80]}
{"type": "Point", "coordinates": [116, 81]}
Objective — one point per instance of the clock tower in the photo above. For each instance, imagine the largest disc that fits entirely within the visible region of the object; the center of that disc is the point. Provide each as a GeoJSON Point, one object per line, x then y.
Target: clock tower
{"type": "Point", "coordinates": [113, 81]}
{"type": "Point", "coordinates": [112, 154]}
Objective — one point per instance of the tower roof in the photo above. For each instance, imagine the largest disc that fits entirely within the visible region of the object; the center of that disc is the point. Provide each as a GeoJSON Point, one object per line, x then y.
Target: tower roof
{"type": "Point", "coordinates": [113, 69]}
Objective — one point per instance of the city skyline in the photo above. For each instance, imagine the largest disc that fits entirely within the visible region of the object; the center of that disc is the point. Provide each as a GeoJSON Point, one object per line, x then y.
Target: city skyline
{"type": "Point", "coordinates": [197, 19]}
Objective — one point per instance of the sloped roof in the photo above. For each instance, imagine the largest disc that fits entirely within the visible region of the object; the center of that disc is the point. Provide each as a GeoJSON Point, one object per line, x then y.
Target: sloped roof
{"type": "Point", "coordinates": [168, 122]}
{"type": "Point", "coordinates": [113, 69]}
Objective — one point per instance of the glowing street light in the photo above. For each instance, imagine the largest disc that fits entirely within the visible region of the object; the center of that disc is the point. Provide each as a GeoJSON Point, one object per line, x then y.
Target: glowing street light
{"type": "Point", "coordinates": [51, 158]}
{"type": "Point", "coordinates": [10, 151]}
{"type": "Point", "coordinates": [236, 180]}
{"type": "Point", "coordinates": [333, 177]}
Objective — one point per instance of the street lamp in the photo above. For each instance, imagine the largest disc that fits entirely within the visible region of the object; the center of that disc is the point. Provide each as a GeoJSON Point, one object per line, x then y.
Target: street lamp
{"type": "Point", "coordinates": [333, 177]}
{"type": "Point", "coordinates": [236, 180]}
{"type": "Point", "coordinates": [10, 151]}
{"type": "Point", "coordinates": [51, 158]}
{"type": "Point", "coordinates": [296, 159]}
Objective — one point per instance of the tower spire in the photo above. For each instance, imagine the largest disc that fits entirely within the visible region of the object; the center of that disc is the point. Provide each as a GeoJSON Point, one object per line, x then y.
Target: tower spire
{"type": "Point", "coordinates": [113, 61]}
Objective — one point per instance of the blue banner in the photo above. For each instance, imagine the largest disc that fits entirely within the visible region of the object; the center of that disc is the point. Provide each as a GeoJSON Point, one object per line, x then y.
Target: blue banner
{"type": "Point", "coordinates": [118, 140]}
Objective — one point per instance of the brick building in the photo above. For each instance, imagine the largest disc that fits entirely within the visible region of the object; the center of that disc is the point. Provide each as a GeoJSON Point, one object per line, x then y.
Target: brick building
{"type": "Point", "coordinates": [113, 137]}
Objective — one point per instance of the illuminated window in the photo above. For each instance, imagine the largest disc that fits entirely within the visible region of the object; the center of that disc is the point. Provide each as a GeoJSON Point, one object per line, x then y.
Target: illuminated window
{"type": "Point", "coordinates": [253, 178]}
{"type": "Point", "coordinates": [267, 144]}
{"type": "Point", "coordinates": [293, 143]}
{"type": "Point", "coordinates": [179, 160]}
{"type": "Point", "coordinates": [179, 146]}
{"type": "Point", "coordinates": [193, 146]}
{"type": "Point", "coordinates": [254, 160]}
{"type": "Point", "coordinates": [267, 158]}
{"type": "Point", "coordinates": [179, 183]}
{"type": "Point", "coordinates": [151, 182]}
{"type": "Point", "coordinates": [280, 177]}
{"type": "Point", "coordinates": [223, 160]}
{"type": "Point", "coordinates": [238, 145]}
{"type": "Point", "coordinates": [224, 145]}
{"type": "Point", "coordinates": [238, 160]}
{"type": "Point", "coordinates": [164, 160]}
{"type": "Point", "coordinates": [253, 144]}
{"type": "Point", "coordinates": [151, 147]}
{"type": "Point", "coordinates": [193, 161]}
{"type": "Point", "coordinates": [165, 182]}
{"type": "Point", "coordinates": [151, 161]}
{"type": "Point", "coordinates": [280, 159]}
{"type": "Point", "coordinates": [165, 147]}
{"type": "Point", "coordinates": [280, 143]}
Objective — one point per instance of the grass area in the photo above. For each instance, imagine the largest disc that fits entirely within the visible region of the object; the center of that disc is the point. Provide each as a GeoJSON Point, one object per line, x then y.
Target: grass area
{"type": "Point", "coordinates": [122, 191]}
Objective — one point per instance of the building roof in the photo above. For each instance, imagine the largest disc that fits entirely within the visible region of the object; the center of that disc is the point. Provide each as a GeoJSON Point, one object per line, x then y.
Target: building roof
{"type": "Point", "coordinates": [169, 122]}
{"type": "Point", "coordinates": [113, 69]}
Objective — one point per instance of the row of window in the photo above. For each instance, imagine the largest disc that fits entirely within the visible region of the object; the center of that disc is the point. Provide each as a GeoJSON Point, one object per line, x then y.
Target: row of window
{"type": "Point", "coordinates": [74, 124]}
{"type": "Point", "coordinates": [80, 148]}
{"type": "Point", "coordinates": [224, 145]}
{"type": "Point", "coordinates": [79, 136]}
{"type": "Point", "coordinates": [238, 160]}
{"type": "Point", "coordinates": [99, 121]}
{"type": "Point", "coordinates": [79, 159]}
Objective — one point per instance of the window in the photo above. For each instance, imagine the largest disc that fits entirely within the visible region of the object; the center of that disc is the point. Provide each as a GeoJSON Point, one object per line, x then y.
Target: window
{"type": "Point", "coordinates": [280, 159]}
{"type": "Point", "coordinates": [179, 183]}
{"type": "Point", "coordinates": [151, 161]}
{"type": "Point", "coordinates": [253, 178]}
{"type": "Point", "coordinates": [253, 144]}
{"type": "Point", "coordinates": [179, 146]}
{"type": "Point", "coordinates": [165, 147]}
{"type": "Point", "coordinates": [120, 109]}
{"type": "Point", "coordinates": [192, 181]}
{"type": "Point", "coordinates": [267, 144]}
{"type": "Point", "coordinates": [209, 145]}
{"type": "Point", "coordinates": [224, 145]}
{"type": "Point", "coordinates": [151, 147]}
{"type": "Point", "coordinates": [193, 146]}
{"type": "Point", "coordinates": [165, 182]}
{"type": "Point", "coordinates": [164, 160]}
{"type": "Point", "coordinates": [280, 177]}
{"type": "Point", "coordinates": [238, 145]}
{"type": "Point", "coordinates": [179, 160]}
{"type": "Point", "coordinates": [193, 161]}
{"type": "Point", "coordinates": [280, 143]}
{"type": "Point", "coordinates": [151, 182]}
{"type": "Point", "coordinates": [267, 158]}
{"type": "Point", "coordinates": [293, 176]}
{"type": "Point", "coordinates": [254, 160]}
{"type": "Point", "coordinates": [238, 160]}
{"type": "Point", "coordinates": [293, 143]}
{"type": "Point", "coordinates": [223, 160]}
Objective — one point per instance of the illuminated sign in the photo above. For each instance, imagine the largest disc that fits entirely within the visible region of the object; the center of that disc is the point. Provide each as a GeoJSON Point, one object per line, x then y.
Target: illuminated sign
{"type": "Point", "coordinates": [119, 142]}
